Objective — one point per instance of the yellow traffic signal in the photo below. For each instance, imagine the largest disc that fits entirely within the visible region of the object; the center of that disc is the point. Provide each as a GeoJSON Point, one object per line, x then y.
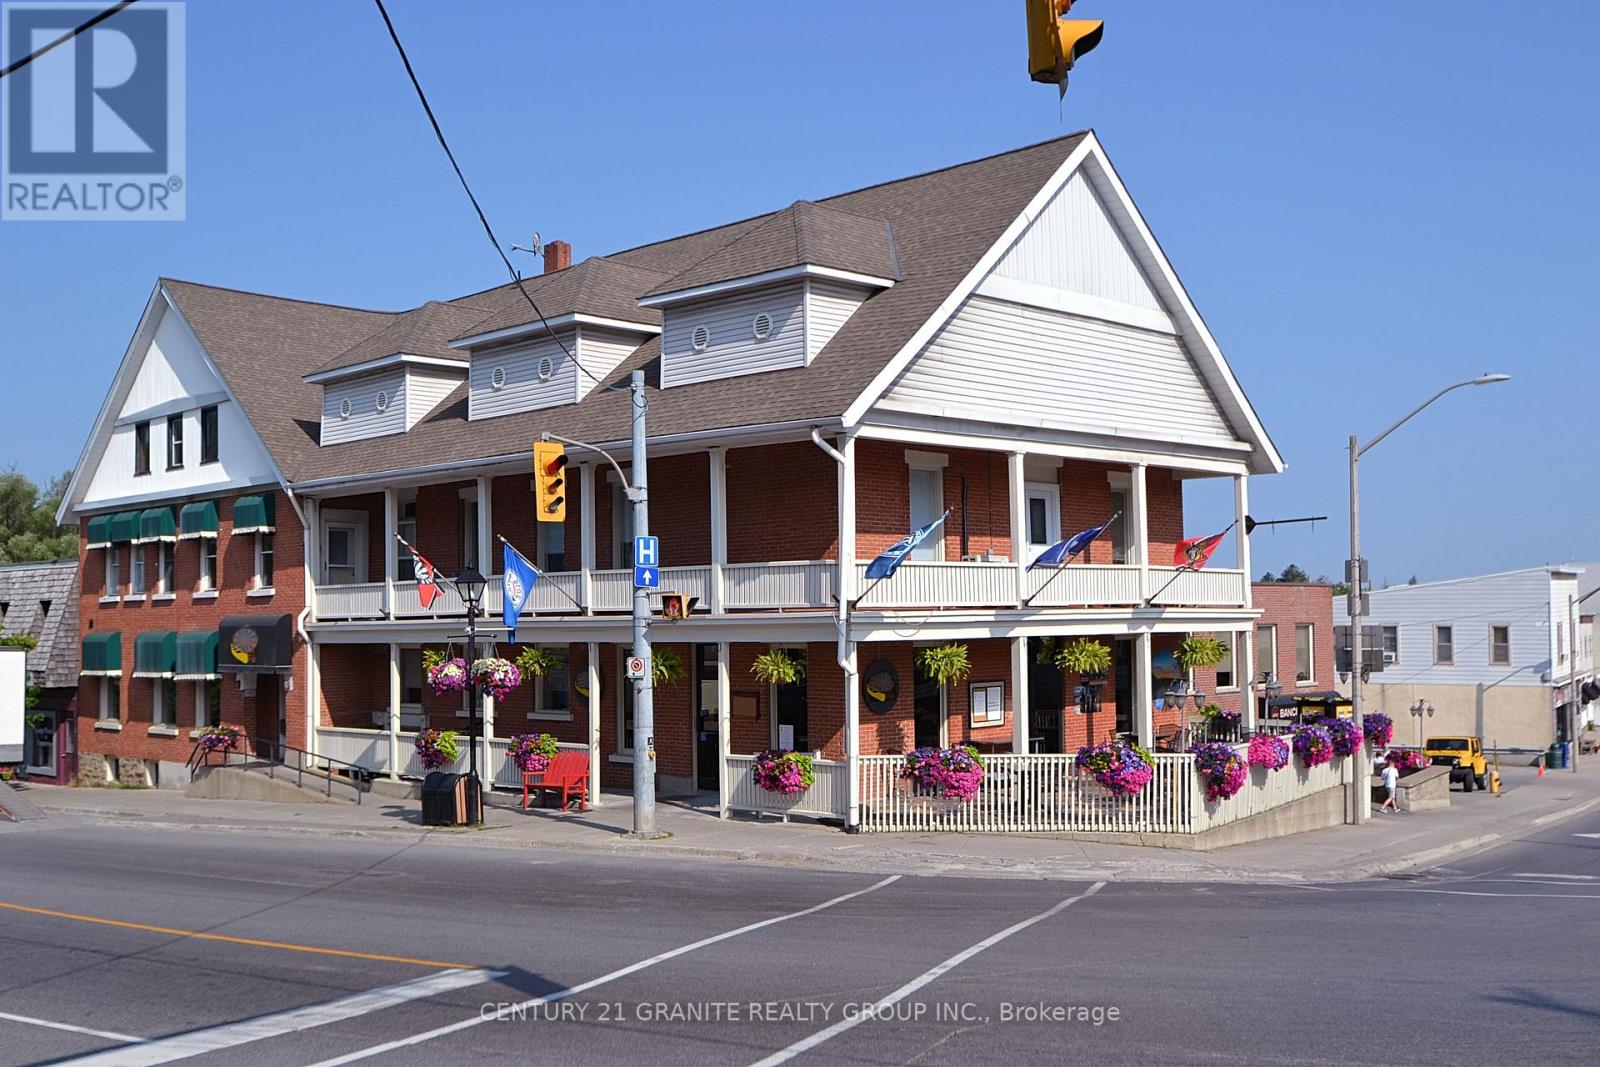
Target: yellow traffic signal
{"type": "Point", "coordinates": [1055, 43]}
{"type": "Point", "coordinates": [549, 481]}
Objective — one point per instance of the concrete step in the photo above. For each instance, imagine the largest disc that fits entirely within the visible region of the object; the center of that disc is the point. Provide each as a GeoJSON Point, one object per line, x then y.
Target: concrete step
{"type": "Point", "coordinates": [15, 806]}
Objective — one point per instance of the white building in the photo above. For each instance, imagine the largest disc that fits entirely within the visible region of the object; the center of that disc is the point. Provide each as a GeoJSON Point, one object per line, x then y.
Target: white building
{"type": "Point", "coordinates": [1493, 655]}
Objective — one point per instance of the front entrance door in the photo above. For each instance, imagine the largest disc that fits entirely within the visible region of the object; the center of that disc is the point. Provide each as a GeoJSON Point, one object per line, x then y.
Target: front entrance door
{"type": "Point", "coordinates": [707, 743]}
{"type": "Point", "coordinates": [344, 547]}
{"type": "Point", "coordinates": [41, 752]}
{"type": "Point", "coordinates": [269, 717]}
{"type": "Point", "coordinates": [1046, 701]}
{"type": "Point", "coordinates": [791, 717]}
{"type": "Point", "coordinates": [1122, 663]}
{"type": "Point", "coordinates": [927, 709]}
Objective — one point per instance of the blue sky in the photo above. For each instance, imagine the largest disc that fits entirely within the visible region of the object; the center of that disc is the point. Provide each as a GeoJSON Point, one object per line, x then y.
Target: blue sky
{"type": "Point", "coordinates": [1366, 202]}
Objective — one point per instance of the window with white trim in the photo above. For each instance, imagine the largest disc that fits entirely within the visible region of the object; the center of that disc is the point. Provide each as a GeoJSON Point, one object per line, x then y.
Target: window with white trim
{"type": "Point", "coordinates": [1391, 644]}
{"type": "Point", "coordinates": [163, 702]}
{"type": "Point", "coordinates": [136, 572]}
{"type": "Point", "coordinates": [1225, 679]}
{"type": "Point", "coordinates": [411, 678]}
{"type": "Point", "coordinates": [113, 571]}
{"type": "Point", "coordinates": [552, 547]}
{"type": "Point", "coordinates": [926, 484]}
{"type": "Point", "coordinates": [406, 526]}
{"type": "Point", "coordinates": [174, 442]}
{"type": "Point", "coordinates": [208, 564]}
{"type": "Point", "coordinates": [1444, 645]}
{"type": "Point", "coordinates": [552, 691]}
{"type": "Point", "coordinates": [621, 525]}
{"type": "Point", "coordinates": [1304, 668]}
{"type": "Point", "coordinates": [110, 699]}
{"type": "Point", "coordinates": [469, 531]}
{"type": "Point", "coordinates": [163, 568]}
{"type": "Point", "coordinates": [262, 578]}
{"type": "Point", "coordinates": [1121, 546]}
{"type": "Point", "coordinates": [207, 704]}
{"type": "Point", "coordinates": [208, 435]}
{"type": "Point", "coordinates": [1266, 649]}
{"type": "Point", "coordinates": [1500, 645]}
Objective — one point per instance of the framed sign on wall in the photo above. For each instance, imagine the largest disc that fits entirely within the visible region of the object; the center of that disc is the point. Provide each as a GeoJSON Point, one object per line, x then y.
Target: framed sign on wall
{"type": "Point", "coordinates": [986, 704]}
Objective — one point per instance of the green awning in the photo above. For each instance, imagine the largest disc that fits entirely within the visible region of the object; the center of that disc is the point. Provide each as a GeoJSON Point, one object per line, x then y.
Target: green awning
{"type": "Point", "coordinates": [198, 520]}
{"type": "Point", "coordinates": [155, 524]}
{"type": "Point", "coordinates": [100, 531]}
{"type": "Point", "coordinates": [124, 527]}
{"type": "Point", "coordinates": [102, 654]}
{"type": "Point", "coordinates": [253, 514]}
{"type": "Point", "coordinates": [155, 654]}
{"type": "Point", "coordinates": [197, 655]}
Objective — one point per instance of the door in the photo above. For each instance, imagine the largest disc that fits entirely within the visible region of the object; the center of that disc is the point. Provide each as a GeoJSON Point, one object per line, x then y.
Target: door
{"type": "Point", "coordinates": [1044, 518]}
{"type": "Point", "coordinates": [927, 504]}
{"type": "Point", "coordinates": [41, 754]}
{"type": "Point", "coordinates": [1046, 701]}
{"type": "Point", "coordinates": [790, 716]}
{"type": "Point", "coordinates": [269, 715]}
{"type": "Point", "coordinates": [344, 548]}
{"type": "Point", "coordinates": [1122, 664]}
{"type": "Point", "coordinates": [707, 743]}
{"type": "Point", "coordinates": [927, 711]}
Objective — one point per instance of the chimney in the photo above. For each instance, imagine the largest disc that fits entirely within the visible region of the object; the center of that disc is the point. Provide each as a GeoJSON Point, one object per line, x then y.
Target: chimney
{"type": "Point", "coordinates": [557, 256]}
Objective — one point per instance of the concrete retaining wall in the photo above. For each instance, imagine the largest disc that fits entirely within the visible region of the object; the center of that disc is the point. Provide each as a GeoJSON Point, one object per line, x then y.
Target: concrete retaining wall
{"type": "Point", "coordinates": [233, 783]}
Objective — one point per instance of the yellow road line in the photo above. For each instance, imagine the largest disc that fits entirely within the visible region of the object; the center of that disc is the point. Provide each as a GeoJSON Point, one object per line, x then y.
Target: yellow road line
{"type": "Point", "coordinates": [254, 942]}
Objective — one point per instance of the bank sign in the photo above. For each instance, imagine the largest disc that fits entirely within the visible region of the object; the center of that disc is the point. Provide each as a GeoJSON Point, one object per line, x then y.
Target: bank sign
{"type": "Point", "coordinates": [92, 127]}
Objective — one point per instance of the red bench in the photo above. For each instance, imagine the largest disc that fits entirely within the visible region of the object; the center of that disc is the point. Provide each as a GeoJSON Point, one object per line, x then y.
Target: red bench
{"type": "Point", "coordinates": [568, 774]}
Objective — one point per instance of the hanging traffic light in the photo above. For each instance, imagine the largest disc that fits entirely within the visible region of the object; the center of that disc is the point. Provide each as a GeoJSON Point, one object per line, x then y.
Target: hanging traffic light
{"type": "Point", "coordinates": [1055, 43]}
{"type": "Point", "coordinates": [549, 481]}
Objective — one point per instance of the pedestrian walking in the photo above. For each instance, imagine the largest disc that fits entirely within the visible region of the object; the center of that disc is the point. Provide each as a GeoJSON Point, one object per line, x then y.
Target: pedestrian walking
{"type": "Point", "coordinates": [1391, 787]}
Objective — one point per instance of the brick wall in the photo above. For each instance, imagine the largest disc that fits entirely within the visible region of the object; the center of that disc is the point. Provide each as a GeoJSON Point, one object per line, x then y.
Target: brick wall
{"type": "Point", "coordinates": [782, 503]}
{"type": "Point", "coordinates": [883, 499]}
{"type": "Point", "coordinates": [439, 534]}
{"type": "Point", "coordinates": [1285, 605]}
{"type": "Point", "coordinates": [354, 683]}
{"type": "Point", "coordinates": [185, 612]}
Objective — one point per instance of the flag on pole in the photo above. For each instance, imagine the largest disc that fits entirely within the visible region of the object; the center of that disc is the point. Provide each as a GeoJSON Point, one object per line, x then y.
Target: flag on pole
{"type": "Point", "coordinates": [427, 578]}
{"type": "Point", "coordinates": [1059, 553]}
{"type": "Point", "coordinates": [889, 562]}
{"type": "Point", "coordinates": [1193, 553]}
{"type": "Point", "coordinates": [519, 578]}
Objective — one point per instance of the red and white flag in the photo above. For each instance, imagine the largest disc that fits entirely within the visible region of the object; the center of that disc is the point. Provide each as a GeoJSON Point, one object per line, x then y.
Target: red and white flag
{"type": "Point", "coordinates": [427, 578]}
{"type": "Point", "coordinates": [1194, 552]}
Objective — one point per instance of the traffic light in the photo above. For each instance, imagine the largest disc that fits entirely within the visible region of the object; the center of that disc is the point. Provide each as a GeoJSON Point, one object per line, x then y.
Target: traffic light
{"type": "Point", "coordinates": [677, 606]}
{"type": "Point", "coordinates": [1055, 43]}
{"type": "Point", "coordinates": [549, 481]}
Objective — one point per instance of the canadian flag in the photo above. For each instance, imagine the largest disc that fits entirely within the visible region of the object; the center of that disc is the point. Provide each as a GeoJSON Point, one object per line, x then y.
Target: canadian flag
{"type": "Point", "coordinates": [427, 578]}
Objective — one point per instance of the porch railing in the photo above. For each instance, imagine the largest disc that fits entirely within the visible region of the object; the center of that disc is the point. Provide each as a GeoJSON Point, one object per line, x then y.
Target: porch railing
{"type": "Point", "coordinates": [942, 585]}
{"type": "Point", "coordinates": [1220, 587]}
{"type": "Point", "coordinates": [369, 749]}
{"type": "Point", "coordinates": [803, 584]}
{"type": "Point", "coordinates": [828, 796]}
{"type": "Point", "coordinates": [361, 600]}
{"type": "Point", "coordinates": [1084, 585]}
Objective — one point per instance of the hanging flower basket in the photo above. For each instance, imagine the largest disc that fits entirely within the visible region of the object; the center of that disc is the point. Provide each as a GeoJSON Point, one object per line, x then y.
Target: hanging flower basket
{"type": "Point", "coordinates": [1346, 735]}
{"type": "Point", "coordinates": [219, 738]}
{"type": "Point", "coordinates": [437, 748]}
{"type": "Point", "coordinates": [498, 677]}
{"type": "Point", "coordinates": [1405, 760]}
{"type": "Point", "coordinates": [780, 666]}
{"type": "Point", "coordinates": [1200, 650]}
{"type": "Point", "coordinates": [1223, 768]}
{"type": "Point", "coordinates": [1085, 657]}
{"type": "Point", "coordinates": [777, 770]}
{"type": "Point", "coordinates": [1378, 728]}
{"type": "Point", "coordinates": [1314, 745]}
{"type": "Point", "coordinates": [533, 752]}
{"type": "Point", "coordinates": [446, 676]}
{"type": "Point", "coordinates": [1123, 769]}
{"type": "Point", "coordinates": [955, 773]}
{"type": "Point", "coordinates": [945, 664]}
{"type": "Point", "coordinates": [536, 661]}
{"type": "Point", "coordinates": [1269, 752]}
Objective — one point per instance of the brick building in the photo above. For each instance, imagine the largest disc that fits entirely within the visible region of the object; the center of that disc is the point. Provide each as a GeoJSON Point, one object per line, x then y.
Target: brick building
{"type": "Point", "coordinates": [821, 380]}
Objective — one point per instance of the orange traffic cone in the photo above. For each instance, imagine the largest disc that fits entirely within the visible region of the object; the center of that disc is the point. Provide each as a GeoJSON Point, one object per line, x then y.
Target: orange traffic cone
{"type": "Point", "coordinates": [1541, 766]}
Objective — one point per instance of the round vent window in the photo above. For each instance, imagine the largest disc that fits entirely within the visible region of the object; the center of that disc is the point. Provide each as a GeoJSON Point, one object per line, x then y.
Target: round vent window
{"type": "Point", "coordinates": [344, 408]}
{"type": "Point", "coordinates": [700, 338]}
{"type": "Point", "coordinates": [383, 400]}
{"type": "Point", "coordinates": [762, 326]}
{"type": "Point", "coordinates": [497, 378]}
{"type": "Point", "coordinates": [547, 369]}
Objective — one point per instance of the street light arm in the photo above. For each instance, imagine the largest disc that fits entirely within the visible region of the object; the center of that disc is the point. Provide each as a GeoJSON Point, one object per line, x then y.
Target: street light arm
{"type": "Point", "coordinates": [1413, 413]}
{"type": "Point", "coordinates": [593, 448]}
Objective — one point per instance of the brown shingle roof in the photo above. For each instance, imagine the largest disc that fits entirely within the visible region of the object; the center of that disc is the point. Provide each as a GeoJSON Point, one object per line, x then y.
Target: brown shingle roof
{"type": "Point", "coordinates": [425, 331]}
{"type": "Point", "coordinates": [598, 286]}
{"type": "Point", "coordinates": [24, 589]}
{"type": "Point", "coordinates": [942, 222]}
{"type": "Point", "coordinates": [802, 234]}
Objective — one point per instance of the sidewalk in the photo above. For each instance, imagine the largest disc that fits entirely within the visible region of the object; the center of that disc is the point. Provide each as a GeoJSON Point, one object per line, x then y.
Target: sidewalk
{"type": "Point", "coordinates": [1388, 843]}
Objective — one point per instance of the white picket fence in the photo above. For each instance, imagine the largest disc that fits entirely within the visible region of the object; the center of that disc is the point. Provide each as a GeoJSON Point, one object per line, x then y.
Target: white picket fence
{"type": "Point", "coordinates": [1049, 794]}
{"type": "Point", "coordinates": [828, 796]}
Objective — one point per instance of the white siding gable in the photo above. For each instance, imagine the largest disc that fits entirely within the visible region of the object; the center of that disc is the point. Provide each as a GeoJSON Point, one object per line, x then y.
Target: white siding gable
{"type": "Point", "coordinates": [426, 387]}
{"type": "Point", "coordinates": [533, 375]}
{"type": "Point", "coordinates": [1027, 366]}
{"type": "Point", "coordinates": [734, 348]}
{"type": "Point", "coordinates": [172, 376]}
{"type": "Point", "coordinates": [364, 395]}
{"type": "Point", "coordinates": [600, 352]}
{"type": "Point", "coordinates": [828, 306]}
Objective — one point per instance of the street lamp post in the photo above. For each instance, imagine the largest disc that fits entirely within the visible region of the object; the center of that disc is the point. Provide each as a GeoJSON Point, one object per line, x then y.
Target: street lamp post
{"type": "Point", "coordinates": [470, 583]}
{"type": "Point", "coordinates": [1418, 710]}
{"type": "Point", "coordinates": [1357, 572]}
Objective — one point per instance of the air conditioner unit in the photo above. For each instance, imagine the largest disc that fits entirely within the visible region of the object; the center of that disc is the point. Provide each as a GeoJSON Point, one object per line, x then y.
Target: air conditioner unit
{"type": "Point", "coordinates": [1390, 657]}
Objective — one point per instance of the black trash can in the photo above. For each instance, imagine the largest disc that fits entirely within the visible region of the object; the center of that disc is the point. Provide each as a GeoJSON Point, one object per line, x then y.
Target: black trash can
{"type": "Point", "coordinates": [443, 800]}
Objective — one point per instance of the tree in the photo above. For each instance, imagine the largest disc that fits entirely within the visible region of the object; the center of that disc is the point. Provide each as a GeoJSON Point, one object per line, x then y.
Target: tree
{"type": "Point", "coordinates": [28, 530]}
{"type": "Point", "coordinates": [1341, 588]}
{"type": "Point", "coordinates": [1292, 573]}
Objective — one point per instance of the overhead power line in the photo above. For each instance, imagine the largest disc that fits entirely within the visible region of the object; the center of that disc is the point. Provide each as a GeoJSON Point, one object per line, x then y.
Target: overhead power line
{"type": "Point", "coordinates": [65, 37]}
{"type": "Point", "coordinates": [516, 277]}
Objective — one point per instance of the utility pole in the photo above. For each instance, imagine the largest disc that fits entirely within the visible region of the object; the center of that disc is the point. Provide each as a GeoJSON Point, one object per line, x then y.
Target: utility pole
{"type": "Point", "coordinates": [1360, 806]}
{"type": "Point", "coordinates": [644, 741]}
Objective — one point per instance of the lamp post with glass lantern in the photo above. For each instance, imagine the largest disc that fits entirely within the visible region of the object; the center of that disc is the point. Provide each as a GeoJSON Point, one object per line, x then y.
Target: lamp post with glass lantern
{"type": "Point", "coordinates": [470, 583]}
{"type": "Point", "coordinates": [1418, 710]}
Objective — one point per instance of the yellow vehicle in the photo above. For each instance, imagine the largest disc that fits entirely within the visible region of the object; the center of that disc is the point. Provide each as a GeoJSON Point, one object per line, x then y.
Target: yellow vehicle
{"type": "Point", "coordinates": [1464, 756]}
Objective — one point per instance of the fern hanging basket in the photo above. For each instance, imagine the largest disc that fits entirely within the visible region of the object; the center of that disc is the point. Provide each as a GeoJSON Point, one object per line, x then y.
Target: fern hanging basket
{"type": "Point", "coordinates": [1085, 657]}
{"type": "Point", "coordinates": [1200, 650]}
{"type": "Point", "coordinates": [780, 666]}
{"type": "Point", "coordinates": [945, 664]}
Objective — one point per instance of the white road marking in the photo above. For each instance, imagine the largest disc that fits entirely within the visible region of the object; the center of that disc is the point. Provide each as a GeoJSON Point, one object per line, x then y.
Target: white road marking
{"type": "Point", "coordinates": [1316, 888]}
{"type": "Point", "coordinates": [809, 1043]}
{"type": "Point", "coordinates": [229, 1035]}
{"type": "Point", "coordinates": [107, 1034]}
{"type": "Point", "coordinates": [1468, 893]}
{"type": "Point", "coordinates": [1563, 877]}
{"type": "Point", "coordinates": [1587, 835]}
{"type": "Point", "coordinates": [584, 987]}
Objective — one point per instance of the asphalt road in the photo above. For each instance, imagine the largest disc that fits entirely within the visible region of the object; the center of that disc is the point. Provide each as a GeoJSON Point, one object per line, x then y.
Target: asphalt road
{"type": "Point", "coordinates": [331, 951]}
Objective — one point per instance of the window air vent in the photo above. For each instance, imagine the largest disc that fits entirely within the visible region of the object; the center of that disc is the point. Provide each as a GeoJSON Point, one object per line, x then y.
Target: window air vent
{"type": "Point", "coordinates": [700, 338]}
{"type": "Point", "coordinates": [344, 408]}
{"type": "Point", "coordinates": [383, 400]}
{"type": "Point", "coordinates": [762, 326]}
{"type": "Point", "coordinates": [547, 369]}
{"type": "Point", "coordinates": [497, 378]}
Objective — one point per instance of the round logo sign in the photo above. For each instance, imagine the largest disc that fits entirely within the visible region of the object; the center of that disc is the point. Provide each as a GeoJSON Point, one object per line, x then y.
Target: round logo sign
{"type": "Point", "coordinates": [880, 686]}
{"type": "Point", "coordinates": [514, 589]}
{"type": "Point", "coordinates": [244, 644]}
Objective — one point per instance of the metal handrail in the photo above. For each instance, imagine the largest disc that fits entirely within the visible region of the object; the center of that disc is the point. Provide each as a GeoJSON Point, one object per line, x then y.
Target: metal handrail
{"type": "Point", "coordinates": [273, 753]}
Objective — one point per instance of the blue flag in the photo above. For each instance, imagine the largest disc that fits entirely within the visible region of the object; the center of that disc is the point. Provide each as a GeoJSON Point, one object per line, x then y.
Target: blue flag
{"type": "Point", "coordinates": [886, 564]}
{"type": "Point", "coordinates": [519, 578]}
{"type": "Point", "coordinates": [1062, 551]}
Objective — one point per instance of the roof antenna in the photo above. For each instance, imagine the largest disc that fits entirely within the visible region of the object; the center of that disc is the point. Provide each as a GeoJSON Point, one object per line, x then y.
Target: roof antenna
{"type": "Point", "coordinates": [537, 248]}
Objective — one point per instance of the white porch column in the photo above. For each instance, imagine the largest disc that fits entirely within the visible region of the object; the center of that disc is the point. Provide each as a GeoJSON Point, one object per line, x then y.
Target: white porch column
{"type": "Point", "coordinates": [391, 527]}
{"type": "Point", "coordinates": [312, 540]}
{"type": "Point", "coordinates": [1144, 709]}
{"type": "Point", "coordinates": [592, 668]}
{"type": "Point", "coordinates": [1016, 469]}
{"type": "Point", "coordinates": [485, 525]}
{"type": "Point", "coordinates": [1020, 695]}
{"type": "Point", "coordinates": [394, 706]}
{"type": "Point", "coordinates": [313, 694]}
{"type": "Point", "coordinates": [586, 550]}
{"type": "Point", "coordinates": [1138, 504]}
{"type": "Point", "coordinates": [724, 720]}
{"type": "Point", "coordinates": [717, 460]}
{"type": "Point", "coordinates": [1244, 668]}
{"type": "Point", "coordinates": [852, 737]}
{"type": "Point", "coordinates": [847, 524]}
